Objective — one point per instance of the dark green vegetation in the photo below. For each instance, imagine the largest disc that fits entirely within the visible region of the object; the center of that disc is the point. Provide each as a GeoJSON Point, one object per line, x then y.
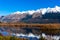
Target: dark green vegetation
{"type": "Point", "coordinates": [15, 38]}
{"type": "Point", "coordinates": [42, 38]}
{"type": "Point", "coordinates": [11, 38]}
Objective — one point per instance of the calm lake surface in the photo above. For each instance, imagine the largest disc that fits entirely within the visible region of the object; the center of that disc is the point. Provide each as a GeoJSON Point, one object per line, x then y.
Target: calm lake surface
{"type": "Point", "coordinates": [30, 33]}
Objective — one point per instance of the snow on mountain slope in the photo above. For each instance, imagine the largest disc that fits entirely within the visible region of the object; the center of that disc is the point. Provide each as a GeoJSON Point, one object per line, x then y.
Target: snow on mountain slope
{"type": "Point", "coordinates": [55, 9]}
{"type": "Point", "coordinates": [43, 10]}
{"type": "Point", "coordinates": [17, 16]}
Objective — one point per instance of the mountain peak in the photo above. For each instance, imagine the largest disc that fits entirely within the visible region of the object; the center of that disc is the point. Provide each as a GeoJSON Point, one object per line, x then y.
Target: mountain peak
{"type": "Point", "coordinates": [17, 12]}
{"type": "Point", "coordinates": [42, 10]}
{"type": "Point", "coordinates": [55, 9]}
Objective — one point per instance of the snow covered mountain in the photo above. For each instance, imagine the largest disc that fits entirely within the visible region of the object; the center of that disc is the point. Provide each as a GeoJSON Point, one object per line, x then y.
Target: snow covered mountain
{"type": "Point", "coordinates": [42, 10]}
{"type": "Point", "coordinates": [31, 15]}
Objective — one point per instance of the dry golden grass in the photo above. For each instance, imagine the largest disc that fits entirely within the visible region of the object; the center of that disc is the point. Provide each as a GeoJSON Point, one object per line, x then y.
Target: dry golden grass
{"type": "Point", "coordinates": [42, 26]}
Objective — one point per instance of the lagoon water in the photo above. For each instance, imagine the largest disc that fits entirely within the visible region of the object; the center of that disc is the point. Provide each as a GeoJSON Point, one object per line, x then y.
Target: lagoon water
{"type": "Point", "coordinates": [5, 31]}
{"type": "Point", "coordinates": [29, 36]}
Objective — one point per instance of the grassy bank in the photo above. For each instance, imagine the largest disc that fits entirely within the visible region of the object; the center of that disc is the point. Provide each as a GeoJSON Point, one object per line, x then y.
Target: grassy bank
{"type": "Point", "coordinates": [41, 26]}
{"type": "Point", "coordinates": [51, 29]}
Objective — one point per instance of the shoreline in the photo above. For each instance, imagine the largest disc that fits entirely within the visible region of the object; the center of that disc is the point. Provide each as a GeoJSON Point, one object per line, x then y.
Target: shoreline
{"type": "Point", "coordinates": [41, 26]}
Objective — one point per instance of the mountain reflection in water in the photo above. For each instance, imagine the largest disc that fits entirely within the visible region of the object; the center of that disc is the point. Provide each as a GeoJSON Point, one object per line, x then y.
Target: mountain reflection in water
{"type": "Point", "coordinates": [31, 33]}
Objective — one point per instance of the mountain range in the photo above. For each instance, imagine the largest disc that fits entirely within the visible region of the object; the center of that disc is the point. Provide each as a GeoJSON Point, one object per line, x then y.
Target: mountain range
{"type": "Point", "coordinates": [43, 15]}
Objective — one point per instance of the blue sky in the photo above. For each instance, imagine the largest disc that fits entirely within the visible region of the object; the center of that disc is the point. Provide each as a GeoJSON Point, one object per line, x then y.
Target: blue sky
{"type": "Point", "coordinates": [8, 6]}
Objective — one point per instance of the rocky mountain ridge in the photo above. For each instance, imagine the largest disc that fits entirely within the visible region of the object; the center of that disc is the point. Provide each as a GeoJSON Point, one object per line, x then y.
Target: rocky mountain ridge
{"type": "Point", "coordinates": [43, 15]}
